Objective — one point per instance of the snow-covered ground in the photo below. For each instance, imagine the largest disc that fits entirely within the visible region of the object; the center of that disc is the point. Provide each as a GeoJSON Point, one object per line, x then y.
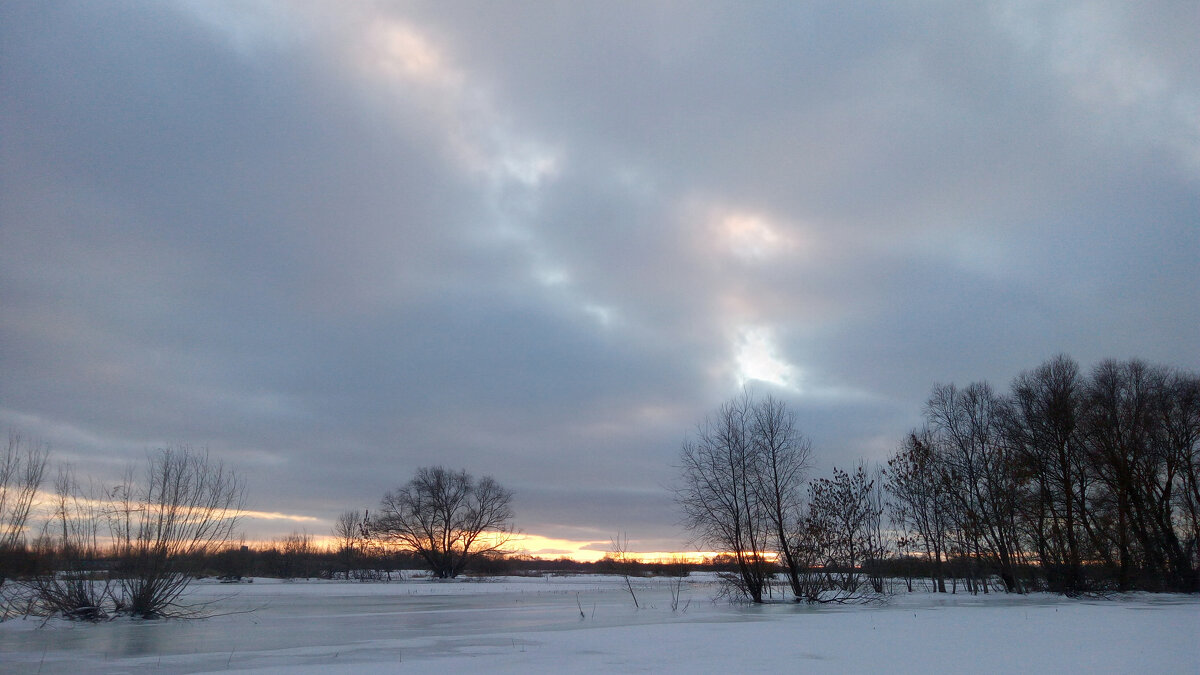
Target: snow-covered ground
{"type": "Point", "coordinates": [589, 624]}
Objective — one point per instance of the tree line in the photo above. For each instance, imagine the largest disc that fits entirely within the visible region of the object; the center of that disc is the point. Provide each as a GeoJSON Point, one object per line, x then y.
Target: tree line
{"type": "Point", "coordinates": [1068, 482]}
{"type": "Point", "coordinates": [1084, 482]}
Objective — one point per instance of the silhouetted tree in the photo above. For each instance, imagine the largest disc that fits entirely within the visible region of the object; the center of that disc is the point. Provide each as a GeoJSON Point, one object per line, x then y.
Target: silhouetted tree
{"type": "Point", "coordinates": [982, 469]}
{"type": "Point", "coordinates": [350, 534]}
{"type": "Point", "coordinates": [1139, 463]}
{"type": "Point", "coordinates": [1177, 410]}
{"type": "Point", "coordinates": [1041, 426]}
{"type": "Point", "coordinates": [1092, 478]}
{"type": "Point", "coordinates": [721, 494]}
{"type": "Point", "coordinates": [920, 503]}
{"type": "Point", "coordinates": [447, 518]}
{"type": "Point", "coordinates": [783, 458]}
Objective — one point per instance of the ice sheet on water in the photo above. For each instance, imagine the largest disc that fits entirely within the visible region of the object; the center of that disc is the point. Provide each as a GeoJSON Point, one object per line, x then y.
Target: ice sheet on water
{"type": "Point", "coordinates": [533, 624]}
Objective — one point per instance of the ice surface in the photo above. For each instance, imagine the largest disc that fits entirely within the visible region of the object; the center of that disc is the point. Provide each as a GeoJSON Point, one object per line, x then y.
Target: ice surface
{"type": "Point", "coordinates": [533, 625]}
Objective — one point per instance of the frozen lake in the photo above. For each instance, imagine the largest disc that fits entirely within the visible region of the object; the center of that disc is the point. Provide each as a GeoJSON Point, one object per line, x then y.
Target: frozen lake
{"type": "Point", "coordinates": [515, 625]}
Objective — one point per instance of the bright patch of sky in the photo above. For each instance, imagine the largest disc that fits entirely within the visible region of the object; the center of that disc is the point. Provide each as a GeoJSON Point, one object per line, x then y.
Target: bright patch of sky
{"type": "Point", "coordinates": [758, 360]}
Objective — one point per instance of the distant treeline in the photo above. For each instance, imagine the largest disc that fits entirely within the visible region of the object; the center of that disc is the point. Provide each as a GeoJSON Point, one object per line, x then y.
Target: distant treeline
{"type": "Point", "coordinates": [296, 557]}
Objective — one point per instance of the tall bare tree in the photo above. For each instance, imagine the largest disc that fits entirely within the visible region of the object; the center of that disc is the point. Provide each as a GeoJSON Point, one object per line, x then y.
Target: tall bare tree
{"type": "Point", "coordinates": [920, 500]}
{"type": "Point", "coordinates": [783, 457]}
{"type": "Point", "coordinates": [447, 517]}
{"type": "Point", "coordinates": [720, 494]}
{"type": "Point", "coordinates": [1042, 426]}
{"type": "Point", "coordinates": [1093, 479]}
{"type": "Point", "coordinates": [1177, 409]}
{"type": "Point", "coordinates": [350, 533]}
{"type": "Point", "coordinates": [983, 468]}
{"type": "Point", "coordinates": [1135, 448]}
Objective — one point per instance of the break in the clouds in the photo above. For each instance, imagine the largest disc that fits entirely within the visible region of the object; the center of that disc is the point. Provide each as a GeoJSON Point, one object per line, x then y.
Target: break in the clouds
{"type": "Point", "coordinates": [335, 242]}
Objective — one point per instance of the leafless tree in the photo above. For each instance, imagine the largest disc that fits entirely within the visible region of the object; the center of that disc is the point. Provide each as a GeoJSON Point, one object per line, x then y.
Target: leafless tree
{"type": "Point", "coordinates": [1041, 425]}
{"type": "Point", "coordinates": [447, 518]}
{"type": "Point", "coordinates": [1177, 411]}
{"type": "Point", "coordinates": [350, 533]}
{"type": "Point", "coordinates": [297, 555]}
{"type": "Point", "coordinates": [843, 526]}
{"type": "Point", "coordinates": [720, 494]}
{"type": "Point", "coordinates": [348, 530]}
{"type": "Point", "coordinates": [878, 549]}
{"type": "Point", "coordinates": [920, 503]}
{"type": "Point", "coordinates": [782, 458]}
{"type": "Point", "coordinates": [184, 506]}
{"type": "Point", "coordinates": [22, 467]}
{"type": "Point", "coordinates": [1138, 462]}
{"type": "Point", "coordinates": [983, 468]}
{"type": "Point", "coordinates": [1092, 478]}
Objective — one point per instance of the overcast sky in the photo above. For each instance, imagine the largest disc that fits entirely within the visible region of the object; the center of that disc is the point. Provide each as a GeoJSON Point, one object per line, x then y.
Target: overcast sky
{"type": "Point", "coordinates": [335, 242]}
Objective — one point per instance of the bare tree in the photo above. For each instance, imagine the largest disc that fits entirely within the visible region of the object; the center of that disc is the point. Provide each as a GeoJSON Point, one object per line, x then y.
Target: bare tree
{"type": "Point", "coordinates": [348, 530]}
{"type": "Point", "coordinates": [184, 507]}
{"type": "Point", "coordinates": [1041, 425]}
{"type": "Point", "coordinates": [878, 549]}
{"type": "Point", "coordinates": [679, 568]}
{"type": "Point", "coordinates": [447, 518]}
{"type": "Point", "coordinates": [983, 467]}
{"type": "Point", "coordinates": [350, 533]}
{"type": "Point", "coordinates": [920, 502]}
{"type": "Point", "coordinates": [844, 526]}
{"type": "Point", "coordinates": [22, 467]}
{"type": "Point", "coordinates": [1092, 478]}
{"type": "Point", "coordinates": [721, 498]}
{"type": "Point", "coordinates": [783, 458]}
{"type": "Point", "coordinates": [1133, 448]}
{"type": "Point", "coordinates": [1177, 409]}
{"type": "Point", "coordinates": [297, 555]}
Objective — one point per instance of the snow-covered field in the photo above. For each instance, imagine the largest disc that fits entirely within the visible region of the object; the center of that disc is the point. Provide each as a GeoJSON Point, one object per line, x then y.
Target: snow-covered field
{"type": "Point", "coordinates": [524, 625]}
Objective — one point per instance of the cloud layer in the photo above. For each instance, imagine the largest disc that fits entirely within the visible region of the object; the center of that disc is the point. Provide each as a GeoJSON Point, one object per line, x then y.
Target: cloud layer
{"type": "Point", "coordinates": [336, 243]}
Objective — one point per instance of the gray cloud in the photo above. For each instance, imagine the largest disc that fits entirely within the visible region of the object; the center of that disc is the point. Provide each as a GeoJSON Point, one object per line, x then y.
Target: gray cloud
{"type": "Point", "coordinates": [333, 244]}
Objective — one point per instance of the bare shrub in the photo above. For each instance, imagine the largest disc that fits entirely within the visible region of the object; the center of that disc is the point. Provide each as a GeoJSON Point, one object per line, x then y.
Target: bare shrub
{"type": "Point", "coordinates": [844, 532]}
{"type": "Point", "coordinates": [619, 554]}
{"type": "Point", "coordinates": [185, 507]}
{"type": "Point", "coordinates": [72, 585]}
{"type": "Point", "coordinates": [22, 467]}
{"type": "Point", "coordinates": [679, 570]}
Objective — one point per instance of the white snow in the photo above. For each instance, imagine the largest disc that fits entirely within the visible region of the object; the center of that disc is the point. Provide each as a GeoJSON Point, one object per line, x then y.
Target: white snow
{"type": "Point", "coordinates": [524, 625]}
